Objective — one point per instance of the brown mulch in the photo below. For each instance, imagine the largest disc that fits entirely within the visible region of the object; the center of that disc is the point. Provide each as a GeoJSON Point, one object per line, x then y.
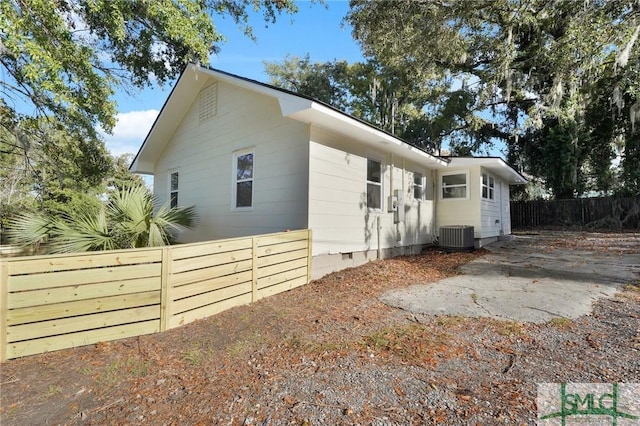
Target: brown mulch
{"type": "Point", "coordinates": [329, 353]}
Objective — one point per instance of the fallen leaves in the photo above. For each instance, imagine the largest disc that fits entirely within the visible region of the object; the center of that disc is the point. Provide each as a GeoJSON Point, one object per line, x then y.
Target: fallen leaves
{"type": "Point", "coordinates": [327, 353]}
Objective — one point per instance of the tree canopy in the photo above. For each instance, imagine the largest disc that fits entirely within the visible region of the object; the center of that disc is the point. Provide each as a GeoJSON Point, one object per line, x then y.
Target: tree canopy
{"type": "Point", "coordinates": [516, 67]}
{"type": "Point", "coordinates": [61, 63]}
{"type": "Point", "coordinates": [65, 58]}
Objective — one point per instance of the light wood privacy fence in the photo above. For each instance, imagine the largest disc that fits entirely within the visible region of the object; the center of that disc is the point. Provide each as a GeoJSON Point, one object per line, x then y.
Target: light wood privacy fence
{"type": "Point", "coordinates": [62, 301]}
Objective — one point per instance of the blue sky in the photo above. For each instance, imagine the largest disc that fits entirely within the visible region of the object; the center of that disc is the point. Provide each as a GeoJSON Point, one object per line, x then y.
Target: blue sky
{"type": "Point", "coordinates": [316, 29]}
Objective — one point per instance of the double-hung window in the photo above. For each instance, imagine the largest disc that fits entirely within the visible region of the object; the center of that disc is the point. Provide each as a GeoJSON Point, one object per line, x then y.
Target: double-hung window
{"type": "Point", "coordinates": [455, 186]}
{"type": "Point", "coordinates": [418, 186]}
{"type": "Point", "coordinates": [173, 188]}
{"type": "Point", "coordinates": [488, 186]}
{"type": "Point", "coordinates": [243, 175]}
{"type": "Point", "coordinates": [374, 184]}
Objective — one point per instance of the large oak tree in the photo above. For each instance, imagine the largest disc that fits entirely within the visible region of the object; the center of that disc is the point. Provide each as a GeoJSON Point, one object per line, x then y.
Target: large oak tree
{"type": "Point", "coordinates": [520, 66]}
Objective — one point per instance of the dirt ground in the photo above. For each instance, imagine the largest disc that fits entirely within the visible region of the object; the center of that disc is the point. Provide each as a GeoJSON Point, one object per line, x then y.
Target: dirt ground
{"type": "Point", "coordinates": [330, 353]}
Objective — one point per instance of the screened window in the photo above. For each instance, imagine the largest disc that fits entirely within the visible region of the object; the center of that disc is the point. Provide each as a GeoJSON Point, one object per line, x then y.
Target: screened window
{"type": "Point", "coordinates": [488, 186]}
{"type": "Point", "coordinates": [374, 184]}
{"type": "Point", "coordinates": [418, 186]}
{"type": "Point", "coordinates": [243, 162]}
{"type": "Point", "coordinates": [173, 188]}
{"type": "Point", "coordinates": [454, 186]}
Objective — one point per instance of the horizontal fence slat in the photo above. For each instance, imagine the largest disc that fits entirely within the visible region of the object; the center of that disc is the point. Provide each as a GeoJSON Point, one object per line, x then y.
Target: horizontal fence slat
{"type": "Point", "coordinates": [50, 263]}
{"type": "Point", "coordinates": [190, 264]}
{"type": "Point", "coordinates": [82, 338]}
{"type": "Point", "coordinates": [81, 307]}
{"type": "Point", "coordinates": [281, 277]}
{"type": "Point", "coordinates": [87, 322]}
{"type": "Point", "coordinates": [84, 276]}
{"type": "Point", "coordinates": [207, 311]}
{"type": "Point", "coordinates": [282, 257]}
{"type": "Point", "coordinates": [185, 251]}
{"type": "Point", "coordinates": [211, 297]}
{"type": "Point", "coordinates": [282, 287]}
{"type": "Point", "coordinates": [89, 291]}
{"type": "Point", "coordinates": [265, 240]}
{"type": "Point", "coordinates": [282, 248]}
{"type": "Point", "coordinates": [210, 284]}
{"type": "Point", "coordinates": [55, 302]}
{"type": "Point", "coordinates": [205, 273]}
{"type": "Point", "coordinates": [281, 267]}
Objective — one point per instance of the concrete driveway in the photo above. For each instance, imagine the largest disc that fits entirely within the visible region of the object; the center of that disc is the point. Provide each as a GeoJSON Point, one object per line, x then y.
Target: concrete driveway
{"type": "Point", "coordinates": [534, 278]}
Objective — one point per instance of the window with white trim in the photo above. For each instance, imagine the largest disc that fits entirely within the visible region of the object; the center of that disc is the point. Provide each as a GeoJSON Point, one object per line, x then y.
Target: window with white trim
{"type": "Point", "coordinates": [173, 188]}
{"type": "Point", "coordinates": [243, 174]}
{"type": "Point", "coordinates": [374, 184]}
{"type": "Point", "coordinates": [455, 186]}
{"type": "Point", "coordinates": [488, 186]}
{"type": "Point", "coordinates": [418, 186]}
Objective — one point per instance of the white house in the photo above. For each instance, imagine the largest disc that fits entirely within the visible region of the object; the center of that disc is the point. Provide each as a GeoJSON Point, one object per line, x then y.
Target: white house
{"type": "Point", "coordinates": [257, 159]}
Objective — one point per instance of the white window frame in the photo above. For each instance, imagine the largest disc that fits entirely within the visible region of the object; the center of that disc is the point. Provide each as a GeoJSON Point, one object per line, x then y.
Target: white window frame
{"type": "Point", "coordinates": [466, 185]}
{"type": "Point", "coordinates": [489, 185]}
{"type": "Point", "coordinates": [171, 190]}
{"type": "Point", "coordinates": [415, 186]}
{"type": "Point", "coordinates": [379, 159]}
{"type": "Point", "coordinates": [235, 180]}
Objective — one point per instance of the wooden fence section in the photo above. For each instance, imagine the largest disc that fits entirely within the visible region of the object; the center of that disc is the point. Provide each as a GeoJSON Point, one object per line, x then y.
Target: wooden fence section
{"type": "Point", "coordinates": [604, 212]}
{"type": "Point", "coordinates": [55, 302]}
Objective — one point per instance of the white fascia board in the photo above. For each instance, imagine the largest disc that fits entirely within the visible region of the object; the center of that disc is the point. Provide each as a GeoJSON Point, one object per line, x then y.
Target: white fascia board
{"type": "Point", "coordinates": [324, 116]}
{"type": "Point", "coordinates": [494, 164]}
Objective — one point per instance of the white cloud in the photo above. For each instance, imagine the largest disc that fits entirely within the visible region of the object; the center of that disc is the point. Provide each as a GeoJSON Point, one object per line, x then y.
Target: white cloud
{"type": "Point", "coordinates": [129, 132]}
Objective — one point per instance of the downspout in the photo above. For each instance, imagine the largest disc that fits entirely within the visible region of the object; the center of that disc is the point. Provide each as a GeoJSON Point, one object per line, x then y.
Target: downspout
{"type": "Point", "coordinates": [391, 180]}
{"type": "Point", "coordinates": [434, 203]}
{"type": "Point", "coordinates": [378, 227]}
{"type": "Point", "coordinates": [404, 194]}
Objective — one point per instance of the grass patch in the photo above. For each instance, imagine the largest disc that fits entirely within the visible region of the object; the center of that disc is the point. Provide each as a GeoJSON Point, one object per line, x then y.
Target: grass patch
{"type": "Point", "coordinates": [193, 357]}
{"type": "Point", "coordinates": [238, 347]}
{"type": "Point", "coordinates": [450, 320]}
{"type": "Point", "coordinates": [635, 287]}
{"type": "Point", "coordinates": [54, 390]}
{"type": "Point", "coordinates": [117, 371]}
{"type": "Point", "coordinates": [413, 343]}
{"type": "Point", "coordinates": [560, 322]}
{"type": "Point", "coordinates": [511, 328]}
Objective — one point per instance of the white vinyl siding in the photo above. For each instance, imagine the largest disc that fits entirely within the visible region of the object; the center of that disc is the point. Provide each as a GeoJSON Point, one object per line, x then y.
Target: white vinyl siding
{"type": "Point", "coordinates": [338, 212]}
{"type": "Point", "coordinates": [243, 173]}
{"type": "Point", "coordinates": [460, 211]}
{"type": "Point", "coordinates": [279, 200]}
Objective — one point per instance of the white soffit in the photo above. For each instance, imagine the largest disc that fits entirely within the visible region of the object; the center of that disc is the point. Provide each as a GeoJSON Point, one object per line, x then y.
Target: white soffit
{"type": "Point", "coordinates": [495, 165]}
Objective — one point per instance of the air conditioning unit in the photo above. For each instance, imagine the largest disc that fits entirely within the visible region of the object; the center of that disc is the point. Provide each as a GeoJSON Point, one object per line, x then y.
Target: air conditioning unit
{"type": "Point", "coordinates": [456, 238]}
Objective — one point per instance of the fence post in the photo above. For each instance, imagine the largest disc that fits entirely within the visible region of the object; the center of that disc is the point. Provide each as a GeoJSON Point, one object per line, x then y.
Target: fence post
{"type": "Point", "coordinates": [254, 270]}
{"type": "Point", "coordinates": [309, 253]}
{"type": "Point", "coordinates": [4, 294]}
{"type": "Point", "coordinates": [165, 286]}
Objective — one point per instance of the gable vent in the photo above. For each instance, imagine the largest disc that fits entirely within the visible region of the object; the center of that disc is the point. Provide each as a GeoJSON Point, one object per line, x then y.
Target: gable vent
{"type": "Point", "coordinates": [208, 102]}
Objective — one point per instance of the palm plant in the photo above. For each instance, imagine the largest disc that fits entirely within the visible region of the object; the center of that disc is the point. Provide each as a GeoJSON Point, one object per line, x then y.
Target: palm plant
{"type": "Point", "coordinates": [126, 220]}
